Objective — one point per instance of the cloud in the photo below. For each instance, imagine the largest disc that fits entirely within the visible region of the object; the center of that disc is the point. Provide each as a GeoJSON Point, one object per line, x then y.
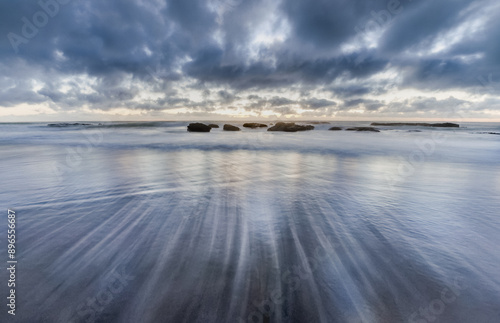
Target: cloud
{"type": "Point", "coordinates": [276, 55]}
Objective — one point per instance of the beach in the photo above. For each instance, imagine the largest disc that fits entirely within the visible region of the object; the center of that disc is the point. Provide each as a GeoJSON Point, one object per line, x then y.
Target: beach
{"type": "Point", "coordinates": [147, 222]}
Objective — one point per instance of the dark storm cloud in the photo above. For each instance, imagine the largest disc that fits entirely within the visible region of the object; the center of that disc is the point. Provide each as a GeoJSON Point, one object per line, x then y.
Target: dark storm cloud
{"type": "Point", "coordinates": [126, 46]}
{"type": "Point", "coordinates": [324, 23]}
{"type": "Point", "coordinates": [314, 103]}
{"type": "Point", "coordinates": [277, 101]}
{"type": "Point", "coordinates": [422, 22]}
{"type": "Point", "coordinates": [227, 97]}
{"type": "Point", "coordinates": [350, 91]}
{"type": "Point", "coordinates": [369, 105]}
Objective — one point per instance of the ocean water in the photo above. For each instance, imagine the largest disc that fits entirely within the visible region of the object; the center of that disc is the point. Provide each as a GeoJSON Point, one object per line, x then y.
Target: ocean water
{"type": "Point", "coordinates": [145, 222]}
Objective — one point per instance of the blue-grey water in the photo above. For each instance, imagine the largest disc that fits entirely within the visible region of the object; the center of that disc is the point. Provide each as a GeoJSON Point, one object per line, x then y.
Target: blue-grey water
{"type": "Point", "coordinates": [146, 222]}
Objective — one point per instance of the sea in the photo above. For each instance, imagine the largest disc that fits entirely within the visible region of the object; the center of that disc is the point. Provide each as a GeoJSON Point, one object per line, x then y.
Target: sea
{"type": "Point", "coordinates": [147, 222]}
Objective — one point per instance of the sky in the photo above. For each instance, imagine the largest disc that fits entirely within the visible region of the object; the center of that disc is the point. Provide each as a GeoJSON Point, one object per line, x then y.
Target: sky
{"type": "Point", "coordinates": [249, 59]}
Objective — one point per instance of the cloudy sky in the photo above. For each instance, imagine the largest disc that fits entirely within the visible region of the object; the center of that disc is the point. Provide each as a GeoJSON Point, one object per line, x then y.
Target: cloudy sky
{"type": "Point", "coordinates": [220, 59]}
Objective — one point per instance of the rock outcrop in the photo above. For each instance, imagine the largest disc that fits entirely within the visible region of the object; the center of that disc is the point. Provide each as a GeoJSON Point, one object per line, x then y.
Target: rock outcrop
{"type": "Point", "coordinates": [198, 127]}
{"type": "Point", "coordinates": [64, 124]}
{"type": "Point", "coordinates": [335, 128]}
{"type": "Point", "coordinates": [363, 129]}
{"type": "Point", "coordinates": [254, 125]}
{"type": "Point", "coordinates": [228, 127]}
{"type": "Point", "coordinates": [418, 124]}
{"type": "Point", "coordinates": [213, 125]}
{"type": "Point", "coordinates": [488, 133]}
{"type": "Point", "coordinates": [289, 127]}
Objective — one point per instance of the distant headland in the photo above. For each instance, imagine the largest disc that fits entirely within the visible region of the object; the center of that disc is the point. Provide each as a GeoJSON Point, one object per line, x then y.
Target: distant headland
{"type": "Point", "coordinates": [418, 124]}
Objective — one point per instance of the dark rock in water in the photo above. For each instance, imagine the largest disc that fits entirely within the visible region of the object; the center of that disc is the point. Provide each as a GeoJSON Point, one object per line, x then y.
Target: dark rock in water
{"type": "Point", "coordinates": [279, 126]}
{"type": "Point", "coordinates": [289, 127]}
{"type": "Point", "coordinates": [335, 128]}
{"type": "Point", "coordinates": [198, 127]}
{"type": "Point", "coordinates": [63, 124]}
{"type": "Point", "coordinates": [419, 124]}
{"type": "Point", "coordinates": [414, 130]}
{"type": "Point", "coordinates": [488, 133]}
{"type": "Point", "coordinates": [229, 127]}
{"type": "Point", "coordinates": [363, 129]}
{"type": "Point", "coordinates": [213, 125]}
{"type": "Point", "coordinates": [319, 122]}
{"type": "Point", "coordinates": [254, 125]}
{"type": "Point", "coordinates": [445, 125]}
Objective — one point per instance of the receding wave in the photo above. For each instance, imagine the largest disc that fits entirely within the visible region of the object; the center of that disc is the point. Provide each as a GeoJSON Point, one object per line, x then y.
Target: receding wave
{"type": "Point", "coordinates": [234, 236]}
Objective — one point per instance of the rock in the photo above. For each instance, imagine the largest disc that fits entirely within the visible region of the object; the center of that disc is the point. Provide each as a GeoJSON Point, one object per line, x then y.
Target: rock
{"type": "Point", "coordinates": [418, 124]}
{"type": "Point", "coordinates": [64, 124]}
{"type": "Point", "coordinates": [445, 125]}
{"type": "Point", "coordinates": [254, 125]}
{"type": "Point", "coordinates": [363, 129]}
{"type": "Point", "coordinates": [198, 127]}
{"type": "Point", "coordinates": [488, 133]}
{"type": "Point", "coordinates": [319, 122]}
{"type": "Point", "coordinates": [229, 127]}
{"type": "Point", "coordinates": [213, 125]}
{"type": "Point", "coordinates": [280, 126]}
{"type": "Point", "coordinates": [289, 127]}
{"type": "Point", "coordinates": [335, 128]}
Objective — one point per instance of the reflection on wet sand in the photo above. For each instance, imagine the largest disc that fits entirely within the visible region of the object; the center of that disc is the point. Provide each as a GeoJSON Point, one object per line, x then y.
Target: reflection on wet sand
{"type": "Point", "coordinates": [248, 236]}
